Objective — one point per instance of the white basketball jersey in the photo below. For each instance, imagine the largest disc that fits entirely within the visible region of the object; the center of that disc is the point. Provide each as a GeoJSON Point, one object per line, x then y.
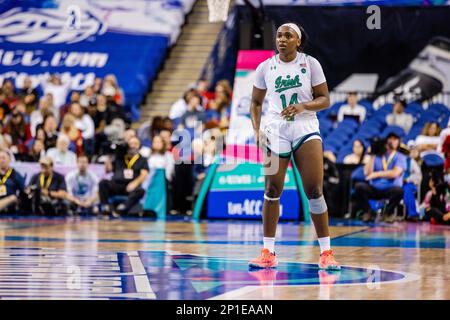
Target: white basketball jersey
{"type": "Point", "coordinates": [289, 83]}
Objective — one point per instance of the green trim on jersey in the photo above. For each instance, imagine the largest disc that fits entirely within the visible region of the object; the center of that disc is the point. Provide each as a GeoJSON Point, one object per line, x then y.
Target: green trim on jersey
{"type": "Point", "coordinates": [302, 140]}
{"type": "Point", "coordinates": [280, 155]}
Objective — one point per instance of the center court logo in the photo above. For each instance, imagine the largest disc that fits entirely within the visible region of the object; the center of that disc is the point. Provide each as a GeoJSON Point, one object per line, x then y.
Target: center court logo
{"type": "Point", "coordinates": [155, 275]}
{"type": "Point", "coordinates": [47, 26]}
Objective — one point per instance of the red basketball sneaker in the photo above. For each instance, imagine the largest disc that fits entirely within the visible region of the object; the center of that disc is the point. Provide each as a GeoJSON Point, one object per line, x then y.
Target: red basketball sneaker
{"type": "Point", "coordinates": [265, 260]}
{"type": "Point", "coordinates": [327, 261]}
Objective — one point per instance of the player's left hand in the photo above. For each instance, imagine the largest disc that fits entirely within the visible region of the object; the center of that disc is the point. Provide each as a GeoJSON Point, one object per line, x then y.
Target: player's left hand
{"type": "Point", "coordinates": [292, 110]}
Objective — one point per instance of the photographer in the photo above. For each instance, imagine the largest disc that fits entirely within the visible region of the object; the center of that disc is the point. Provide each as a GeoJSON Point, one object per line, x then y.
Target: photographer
{"type": "Point", "coordinates": [129, 171]}
{"type": "Point", "coordinates": [12, 185]}
{"type": "Point", "coordinates": [47, 190]}
{"type": "Point", "coordinates": [384, 178]}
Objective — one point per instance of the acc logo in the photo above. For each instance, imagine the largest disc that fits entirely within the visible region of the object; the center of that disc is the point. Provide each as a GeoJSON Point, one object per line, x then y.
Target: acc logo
{"type": "Point", "coordinates": [47, 25]}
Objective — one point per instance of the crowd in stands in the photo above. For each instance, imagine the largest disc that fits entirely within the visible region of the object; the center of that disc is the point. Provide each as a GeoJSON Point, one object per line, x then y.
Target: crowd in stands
{"type": "Point", "coordinates": [398, 155]}
{"type": "Point", "coordinates": [51, 125]}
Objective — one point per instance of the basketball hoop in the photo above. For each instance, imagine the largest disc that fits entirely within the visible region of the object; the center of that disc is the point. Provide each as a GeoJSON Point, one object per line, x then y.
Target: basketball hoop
{"type": "Point", "coordinates": [218, 10]}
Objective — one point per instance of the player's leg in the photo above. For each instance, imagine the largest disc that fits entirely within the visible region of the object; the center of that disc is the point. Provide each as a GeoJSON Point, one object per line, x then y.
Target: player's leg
{"type": "Point", "coordinates": [308, 158]}
{"type": "Point", "coordinates": [275, 166]}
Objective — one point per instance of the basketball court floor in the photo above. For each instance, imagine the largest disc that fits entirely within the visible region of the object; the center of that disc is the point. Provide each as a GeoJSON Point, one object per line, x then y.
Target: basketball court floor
{"type": "Point", "coordinates": [42, 258]}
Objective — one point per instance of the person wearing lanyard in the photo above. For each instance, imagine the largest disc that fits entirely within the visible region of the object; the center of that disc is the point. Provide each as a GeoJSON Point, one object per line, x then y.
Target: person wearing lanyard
{"type": "Point", "coordinates": [129, 172]}
{"type": "Point", "coordinates": [12, 185]}
{"type": "Point", "coordinates": [48, 189]}
{"type": "Point", "coordinates": [384, 180]}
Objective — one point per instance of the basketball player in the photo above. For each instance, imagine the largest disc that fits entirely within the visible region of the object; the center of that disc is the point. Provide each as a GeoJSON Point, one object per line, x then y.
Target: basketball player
{"type": "Point", "coordinates": [296, 89]}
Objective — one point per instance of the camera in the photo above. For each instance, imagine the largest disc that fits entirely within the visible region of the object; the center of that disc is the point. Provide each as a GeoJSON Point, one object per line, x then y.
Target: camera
{"type": "Point", "coordinates": [119, 148]}
{"type": "Point", "coordinates": [377, 147]}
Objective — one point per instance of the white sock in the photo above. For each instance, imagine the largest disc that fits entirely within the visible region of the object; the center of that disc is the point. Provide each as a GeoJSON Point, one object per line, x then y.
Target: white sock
{"type": "Point", "coordinates": [324, 244]}
{"type": "Point", "coordinates": [269, 243]}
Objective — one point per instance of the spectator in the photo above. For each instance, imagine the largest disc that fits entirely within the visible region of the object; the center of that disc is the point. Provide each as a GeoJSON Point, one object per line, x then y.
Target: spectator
{"type": "Point", "coordinates": [111, 88]}
{"type": "Point", "coordinates": [167, 124]}
{"type": "Point", "coordinates": [5, 140]}
{"type": "Point", "coordinates": [70, 130]}
{"type": "Point", "coordinates": [29, 95]}
{"type": "Point", "coordinates": [436, 203]}
{"type": "Point", "coordinates": [384, 173]}
{"type": "Point", "coordinates": [85, 124]}
{"type": "Point", "coordinates": [329, 155]}
{"type": "Point", "coordinates": [74, 98]}
{"type": "Point", "coordinates": [98, 115]}
{"type": "Point", "coordinates": [129, 172]}
{"type": "Point", "coordinates": [57, 88]}
{"type": "Point", "coordinates": [411, 182]}
{"type": "Point", "coordinates": [19, 131]}
{"type": "Point", "coordinates": [97, 86]}
{"type": "Point", "coordinates": [192, 118]}
{"type": "Point", "coordinates": [223, 86]}
{"type": "Point", "coordinates": [4, 107]}
{"type": "Point", "coordinates": [10, 93]}
{"type": "Point", "coordinates": [82, 187]}
{"type": "Point", "coordinates": [37, 116]}
{"type": "Point", "coordinates": [202, 88]}
{"type": "Point", "coordinates": [429, 138]}
{"type": "Point", "coordinates": [48, 132]}
{"type": "Point", "coordinates": [128, 134]}
{"type": "Point", "coordinates": [180, 106]}
{"type": "Point", "coordinates": [442, 136]}
{"type": "Point", "coordinates": [199, 169]}
{"type": "Point", "coordinates": [102, 114]}
{"type": "Point", "coordinates": [156, 126]}
{"type": "Point", "coordinates": [37, 151]}
{"type": "Point", "coordinates": [399, 118]}
{"type": "Point", "coordinates": [358, 156]}
{"type": "Point", "coordinates": [20, 107]}
{"type": "Point", "coordinates": [166, 135]}
{"type": "Point", "coordinates": [352, 109]}
{"type": "Point", "coordinates": [218, 113]}
{"type": "Point", "coordinates": [160, 158]}
{"type": "Point", "coordinates": [61, 154]}
{"type": "Point", "coordinates": [47, 190]}
{"type": "Point", "coordinates": [446, 151]}
{"type": "Point", "coordinates": [12, 185]}
{"type": "Point", "coordinates": [88, 97]}
{"type": "Point", "coordinates": [114, 110]}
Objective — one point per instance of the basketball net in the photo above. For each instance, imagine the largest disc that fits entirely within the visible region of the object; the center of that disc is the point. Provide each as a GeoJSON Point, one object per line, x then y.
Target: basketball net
{"type": "Point", "coordinates": [218, 10]}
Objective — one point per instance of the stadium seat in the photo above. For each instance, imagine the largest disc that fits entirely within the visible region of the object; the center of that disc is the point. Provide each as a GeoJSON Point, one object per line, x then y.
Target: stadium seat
{"type": "Point", "coordinates": [358, 174]}
{"type": "Point", "coordinates": [349, 123]}
{"type": "Point", "coordinates": [379, 125]}
{"type": "Point", "coordinates": [343, 152]}
{"type": "Point", "coordinates": [368, 105]}
{"type": "Point", "coordinates": [433, 159]}
{"type": "Point", "coordinates": [329, 147]}
{"type": "Point", "coordinates": [380, 118]}
{"type": "Point", "coordinates": [385, 109]}
{"type": "Point", "coordinates": [414, 107]}
{"type": "Point", "coordinates": [444, 122]}
{"type": "Point", "coordinates": [442, 108]}
{"type": "Point", "coordinates": [397, 130]}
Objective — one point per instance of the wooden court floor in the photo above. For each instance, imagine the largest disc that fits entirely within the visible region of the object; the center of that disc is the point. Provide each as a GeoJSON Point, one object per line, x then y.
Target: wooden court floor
{"type": "Point", "coordinates": [42, 258]}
